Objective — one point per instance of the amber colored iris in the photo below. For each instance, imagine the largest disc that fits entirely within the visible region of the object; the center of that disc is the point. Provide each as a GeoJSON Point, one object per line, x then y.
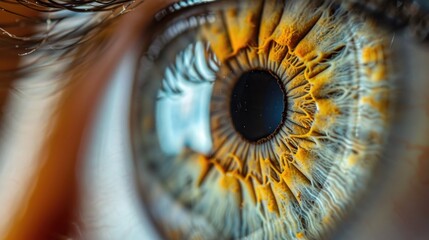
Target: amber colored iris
{"type": "Point", "coordinates": [295, 178]}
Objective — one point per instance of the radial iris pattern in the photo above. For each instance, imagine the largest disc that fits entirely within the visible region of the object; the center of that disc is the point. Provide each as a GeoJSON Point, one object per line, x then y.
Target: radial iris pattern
{"type": "Point", "coordinates": [205, 178]}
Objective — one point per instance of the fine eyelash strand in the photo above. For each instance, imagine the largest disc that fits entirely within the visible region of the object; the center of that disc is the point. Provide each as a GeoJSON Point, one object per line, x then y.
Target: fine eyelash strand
{"type": "Point", "coordinates": [50, 30]}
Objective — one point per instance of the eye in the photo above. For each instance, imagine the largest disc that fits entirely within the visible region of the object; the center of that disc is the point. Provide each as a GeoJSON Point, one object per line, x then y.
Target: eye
{"type": "Point", "coordinates": [260, 120]}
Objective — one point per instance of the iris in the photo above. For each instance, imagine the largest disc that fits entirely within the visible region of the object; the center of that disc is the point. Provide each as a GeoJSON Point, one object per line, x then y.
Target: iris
{"type": "Point", "coordinates": [260, 119]}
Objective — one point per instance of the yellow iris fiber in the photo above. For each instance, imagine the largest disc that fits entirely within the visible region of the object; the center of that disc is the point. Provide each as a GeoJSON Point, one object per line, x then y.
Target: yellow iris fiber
{"type": "Point", "coordinates": [334, 67]}
{"type": "Point", "coordinates": [299, 50]}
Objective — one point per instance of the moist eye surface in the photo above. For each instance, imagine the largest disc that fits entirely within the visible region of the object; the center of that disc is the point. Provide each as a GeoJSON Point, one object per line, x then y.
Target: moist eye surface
{"type": "Point", "coordinates": [260, 120]}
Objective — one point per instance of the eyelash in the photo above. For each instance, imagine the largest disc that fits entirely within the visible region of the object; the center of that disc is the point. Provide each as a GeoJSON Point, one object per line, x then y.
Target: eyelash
{"type": "Point", "coordinates": [53, 31]}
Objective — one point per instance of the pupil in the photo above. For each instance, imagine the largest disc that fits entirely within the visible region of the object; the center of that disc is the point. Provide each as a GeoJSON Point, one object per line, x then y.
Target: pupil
{"type": "Point", "coordinates": [257, 105]}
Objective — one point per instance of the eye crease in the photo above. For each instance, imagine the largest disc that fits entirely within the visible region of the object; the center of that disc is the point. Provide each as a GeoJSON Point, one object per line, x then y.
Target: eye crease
{"type": "Point", "coordinates": [299, 177]}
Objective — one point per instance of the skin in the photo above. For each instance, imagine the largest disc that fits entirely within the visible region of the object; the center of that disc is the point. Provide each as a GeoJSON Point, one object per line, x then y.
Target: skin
{"type": "Point", "coordinates": [51, 204]}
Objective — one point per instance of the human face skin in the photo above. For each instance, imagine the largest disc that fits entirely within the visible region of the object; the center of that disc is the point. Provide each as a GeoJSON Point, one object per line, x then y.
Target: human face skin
{"type": "Point", "coordinates": [56, 195]}
{"type": "Point", "coordinates": [53, 198]}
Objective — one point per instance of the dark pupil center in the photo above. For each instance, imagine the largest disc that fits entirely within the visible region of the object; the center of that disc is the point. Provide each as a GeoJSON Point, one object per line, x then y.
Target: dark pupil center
{"type": "Point", "coordinates": [257, 105]}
